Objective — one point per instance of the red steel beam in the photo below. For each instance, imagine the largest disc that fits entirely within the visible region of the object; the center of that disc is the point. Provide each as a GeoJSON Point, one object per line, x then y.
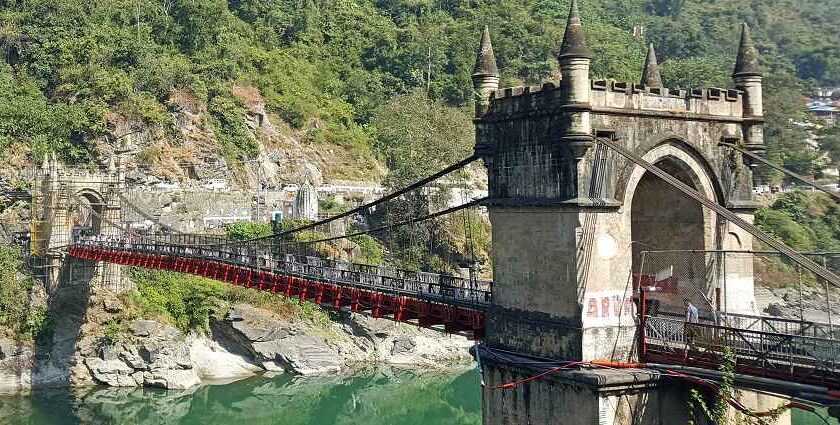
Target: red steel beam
{"type": "Point", "coordinates": [398, 308]}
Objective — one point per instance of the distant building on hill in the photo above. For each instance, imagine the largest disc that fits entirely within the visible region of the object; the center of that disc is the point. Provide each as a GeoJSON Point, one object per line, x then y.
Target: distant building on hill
{"type": "Point", "coordinates": [825, 104]}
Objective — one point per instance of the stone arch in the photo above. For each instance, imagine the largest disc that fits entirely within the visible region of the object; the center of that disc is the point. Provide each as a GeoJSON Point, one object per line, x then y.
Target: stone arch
{"type": "Point", "coordinates": [661, 218]}
{"type": "Point", "coordinates": [87, 217]}
{"type": "Point", "coordinates": [675, 157]}
{"type": "Point", "coordinates": [699, 163]}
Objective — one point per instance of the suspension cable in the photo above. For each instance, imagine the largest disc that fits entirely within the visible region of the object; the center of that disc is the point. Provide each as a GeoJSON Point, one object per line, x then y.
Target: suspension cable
{"type": "Point", "coordinates": [729, 215]}
{"type": "Point", "coordinates": [831, 193]}
{"type": "Point", "coordinates": [400, 223]}
{"type": "Point", "coordinates": [365, 207]}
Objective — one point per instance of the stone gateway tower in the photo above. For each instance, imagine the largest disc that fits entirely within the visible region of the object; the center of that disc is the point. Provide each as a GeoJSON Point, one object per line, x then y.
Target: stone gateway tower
{"type": "Point", "coordinates": [68, 203]}
{"type": "Point", "coordinates": [570, 217]}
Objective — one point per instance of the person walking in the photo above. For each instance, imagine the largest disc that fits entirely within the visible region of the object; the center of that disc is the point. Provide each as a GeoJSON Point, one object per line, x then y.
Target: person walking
{"type": "Point", "coordinates": [692, 316]}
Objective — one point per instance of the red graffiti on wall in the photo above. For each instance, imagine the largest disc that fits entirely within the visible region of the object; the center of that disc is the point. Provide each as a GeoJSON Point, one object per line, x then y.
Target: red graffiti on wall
{"type": "Point", "coordinates": [612, 306]}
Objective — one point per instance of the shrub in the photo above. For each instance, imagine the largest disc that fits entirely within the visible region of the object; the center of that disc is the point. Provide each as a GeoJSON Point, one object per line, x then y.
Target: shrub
{"type": "Point", "coordinates": [39, 326]}
{"type": "Point", "coordinates": [112, 332]}
{"type": "Point", "coordinates": [16, 316]}
{"type": "Point", "coordinates": [245, 230]}
{"type": "Point", "coordinates": [184, 301]}
{"type": "Point", "coordinates": [187, 302]}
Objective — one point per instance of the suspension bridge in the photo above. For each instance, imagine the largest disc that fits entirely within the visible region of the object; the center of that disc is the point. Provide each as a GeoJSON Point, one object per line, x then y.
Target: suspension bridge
{"type": "Point", "coordinates": [613, 206]}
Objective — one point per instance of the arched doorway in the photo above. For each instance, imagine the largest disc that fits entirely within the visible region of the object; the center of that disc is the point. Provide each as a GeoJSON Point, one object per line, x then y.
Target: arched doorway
{"type": "Point", "coordinates": [662, 217]}
{"type": "Point", "coordinates": [673, 230]}
{"type": "Point", "coordinates": [86, 214]}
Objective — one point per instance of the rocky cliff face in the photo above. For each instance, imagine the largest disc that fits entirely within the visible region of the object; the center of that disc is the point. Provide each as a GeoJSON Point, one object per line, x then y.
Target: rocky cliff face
{"type": "Point", "coordinates": [192, 151]}
{"type": "Point", "coordinates": [246, 341]}
{"type": "Point", "coordinates": [182, 144]}
{"type": "Point", "coordinates": [300, 348]}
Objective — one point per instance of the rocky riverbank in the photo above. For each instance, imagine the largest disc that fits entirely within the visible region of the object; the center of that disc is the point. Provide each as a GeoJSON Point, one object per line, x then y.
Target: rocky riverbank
{"type": "Point", "coordinates": [812, 303]}
{"type": "Point", "coordinates": [245, 341]}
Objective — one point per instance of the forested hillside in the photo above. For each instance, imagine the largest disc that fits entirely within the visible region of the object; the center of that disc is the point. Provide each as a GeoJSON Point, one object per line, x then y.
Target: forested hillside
{"type": "Point", "coordinates": [74, 70]}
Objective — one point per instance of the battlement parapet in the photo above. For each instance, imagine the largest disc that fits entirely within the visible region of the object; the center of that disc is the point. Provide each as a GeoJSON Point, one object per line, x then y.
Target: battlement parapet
{"type": "Point", "coordinates": [621, 95]}
{"type": "Point", "coordinates": [523, 99]}
{"type": "Point", "coordinates": [631, 96]}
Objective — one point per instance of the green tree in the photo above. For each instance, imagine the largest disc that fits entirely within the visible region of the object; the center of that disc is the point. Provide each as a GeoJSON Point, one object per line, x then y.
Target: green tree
{"type": "Point", "coordinates": [245, 230]}
{"type": "Point", "coordinates": [693, 72]}
{"type": "Point", "coordinates": [418, 136]}
{"type": "Point", "coordinates": [18, 318]}
{"type": "Point", "coordinates": [803, 221]}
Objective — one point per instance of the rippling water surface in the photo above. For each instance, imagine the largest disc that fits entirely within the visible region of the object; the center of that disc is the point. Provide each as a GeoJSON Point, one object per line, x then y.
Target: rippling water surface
{"type": "Point", "coordinates": [372, 397]}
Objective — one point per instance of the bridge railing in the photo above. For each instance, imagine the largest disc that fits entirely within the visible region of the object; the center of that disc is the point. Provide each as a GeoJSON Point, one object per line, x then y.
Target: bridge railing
{"type": "Point", "coordinates": [763, 323]}
{"type": "Point", "coordinates": [780, 355]}
{"type": "Point", "coordinates": [265, 257]}
{"type": "Point", "coordinates": [733, 287]}
{"type": "Point", "coordinates": [787, 326]}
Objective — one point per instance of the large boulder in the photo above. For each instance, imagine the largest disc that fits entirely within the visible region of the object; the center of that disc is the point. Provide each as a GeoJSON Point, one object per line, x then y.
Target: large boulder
{"type": "Point", "coordinates": [149, 351]}
{"type": "Point", "coordinates": [255, 324]}
{"type": "Point", "coordinates": [111, 372]}
{"type": "Point", "coordinates": [275, 345]}
{"type": "Point", "coordinates": [156, 355]}
{"type": "Point", "coordinates": [144, 328]}
{"type": "Point", "coordinates": [171, 379]}
{"type": "Point", "coordinates": [403, 345]}
{"type": "Point", "coordinates": [112, 305]}
{"type": "Point", "coordinates": [133, 359]}
{"type": "Point", "coordinates": [398, 343]}
{"type": "Point", "coordinates": [214, 363]}
{"type": "Point", "coordinates": [300, 354]}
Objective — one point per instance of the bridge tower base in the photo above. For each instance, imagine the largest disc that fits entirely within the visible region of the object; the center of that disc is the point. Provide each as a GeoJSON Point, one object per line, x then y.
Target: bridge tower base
{"type": "Point", "coordinates": [602, 397]}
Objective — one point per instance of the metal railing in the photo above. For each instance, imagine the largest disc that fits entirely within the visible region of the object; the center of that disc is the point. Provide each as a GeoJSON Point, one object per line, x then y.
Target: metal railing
{"type": "Point", "coordinates": [721, 285]}
{"type": "Point", "coordinates": [781, 355]}
{"type": "Point", "coordinates": [724, 284]}
{"type": "Point", "coordinates": [440, 288]}
{"type": "Point", "coordinates": [781, 325]}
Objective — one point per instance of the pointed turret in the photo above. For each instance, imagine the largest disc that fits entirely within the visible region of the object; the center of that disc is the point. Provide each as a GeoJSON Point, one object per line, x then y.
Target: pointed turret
{"type": "Point", "coordinates": [112, 166]}
{"type": "Point", "coordinates": [485, 74]}
{"type": "Point", "coordinates": [485, 62]}
{"type": "Point", "coordinates": [747, 76]}
{"type": "Point", "coordinates": [747, 63]}
{"type": "Point", "coordinates": [650, 74]}
{"type": "Point", "coordinates": [575, 93]}
{"type": "Point", "coordinates": [574, 40]}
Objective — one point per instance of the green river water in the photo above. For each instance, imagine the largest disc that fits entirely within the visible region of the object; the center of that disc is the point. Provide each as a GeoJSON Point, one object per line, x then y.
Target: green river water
{"type": "Point", "coordinates": [371, 397]}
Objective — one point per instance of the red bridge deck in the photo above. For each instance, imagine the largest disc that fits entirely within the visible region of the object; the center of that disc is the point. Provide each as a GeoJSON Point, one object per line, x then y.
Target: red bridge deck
{"type": "Point", "coordinates": [429, 300]}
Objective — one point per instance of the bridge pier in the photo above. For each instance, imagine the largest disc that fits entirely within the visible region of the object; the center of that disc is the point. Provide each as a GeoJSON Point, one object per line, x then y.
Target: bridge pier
{"type": "Point", "coordinates": [602, 397]}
